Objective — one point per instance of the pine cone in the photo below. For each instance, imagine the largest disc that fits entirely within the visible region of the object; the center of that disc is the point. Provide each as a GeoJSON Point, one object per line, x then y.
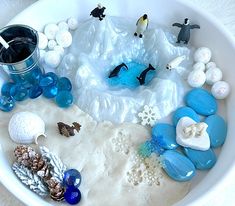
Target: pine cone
{"type": "Point", "coordinates": [40, 166]}
{"type": "Point", "coordinates": [56, 190]}
{"type": "Point", "coordinates": [24, 155]}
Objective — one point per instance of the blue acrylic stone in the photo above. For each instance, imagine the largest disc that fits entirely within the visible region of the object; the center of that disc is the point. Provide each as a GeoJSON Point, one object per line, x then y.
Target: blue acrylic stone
{"type": "Point", "coordinates": [72, 177]}
{"type": "Point", "coordinates": [178, 166]}
{"type": "Point", "coordinates": [64, 99]}
{"type": "Point", "coordinates": [50, 92]}
{"type": "Point", "coordinates": [72, 195]}
{"type": "Point", "coordinates": [53, 76]}
{"type": "Point", "coordinates": [166, 134]}
{"type": "Point", "coordinates": [34, 76]}
{"type": "Point", "coordinates": [64, 84]}
{"type": "Point", "coordinates": [35, 91]}
{"type": "Point", "coordinates": [201, 101]}
{"type": "Point", "coordinates": [185, 112]}
{"type": "Point", "coordinates": [46, 81]}
{"type": "Point", "coordinates": [203, 160]}
{"type": "Point", "coordinates": [19, 92]}
{"type": "Point", "coordinates": [217, 130]}
{"type": "Point", "coordinates": [6, 103]}
{"type": "Point", "coordinates": [6, 88]}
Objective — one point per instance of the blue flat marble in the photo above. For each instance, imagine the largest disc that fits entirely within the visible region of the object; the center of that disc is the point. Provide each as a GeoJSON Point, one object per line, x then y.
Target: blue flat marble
{"type": "Point", "coordinates": [203, 160]}
{"type": "Point", "coordinates": [217, 130]}
{"type": "Point", "coordinates": [165, 135]}
{"type": "Point", "coordinates": [201, 101]}
{"type": "Point", "coordinates": [185, 112]}
{"type": "Point", "coordinates": [6, 88]}
{"type": "Point", "coordinates": [178, 166]}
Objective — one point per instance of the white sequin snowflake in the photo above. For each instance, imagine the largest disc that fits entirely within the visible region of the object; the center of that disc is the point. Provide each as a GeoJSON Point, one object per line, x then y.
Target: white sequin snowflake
{"type": "Point", "coordinates": [136, 159]}
{"type": "Point", "coordinates": [149, 115]}
{"type": "Point", "coordinates": [135, 176]}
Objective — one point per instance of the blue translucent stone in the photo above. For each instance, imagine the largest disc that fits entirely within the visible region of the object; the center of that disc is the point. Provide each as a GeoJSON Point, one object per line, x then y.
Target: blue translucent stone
{"type": "Point", "coordinates": [6, 88]}
{"type": "Point", "coordinates": [64, 99]}
{"type": "Point", "coordinates": [72, 195]}
{"type": "Point", "coordinates": [34, 75]}
{"type": "Point", "coordinates": [35, 92]}
{"type": "Point", "coordinates": [217, 130]}
{"type": "Point", "coordinates": [72, 177]}
{"type": "Point", "coordinates": [26, 85]}
{"type": "Point", "coordinates": [19, 92]}
{"type": "Point", "coordinates": [177, 166]}
{"type": "Point", "coordinates": [50, 92]}
{"type": "Point", "coordinates": [201, 101]}
{"type": "Point", "coordinates": [64, 84]}
{"type": "Point", "coordinates": [166, 135]}
{"type": "Point", "coordinates": [53, 76]}
{"type": "Point", "coordinates": [203, 160]}
{"type": "Point", "coordinates": [185, 112]}
{"type": "Point", "coordinates": [6, 103]}
{"type": "Point", "coordinates": [46, 81]}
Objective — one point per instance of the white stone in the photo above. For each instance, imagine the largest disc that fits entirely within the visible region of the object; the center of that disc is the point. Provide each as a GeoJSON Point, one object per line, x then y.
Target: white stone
{"type": "Point", "coordinates": [52, 59]}
{"type": "Point", "coordinates": [59, 49]}
{"type": "Point", "coordinates": [210, 65]}
{"type": "Point", "coordinates": [72, 23]}
{"type": "Point", "coordinates": [64, 38]}
{"type": "Point", "coordinates": [199, 66]}
{"type": "Point", "coordinates": [42, 40]}
{"type": "Point", "coordinates": [196, 78]}
{"type": "Point", "coordinates": [51, 30]}
{"type": "Point", "coordinates": [63, 26]}
{"type": "Point", "coordinates": [213, 75]}
{"type": "Point", "coordinates": [202, 54]}
{"type": "Point", "coordinates": [51, 44]}
{"type": "Point", "coordinates": [201, 142]}
{"type": "Point", "coordinates": [220, 90]}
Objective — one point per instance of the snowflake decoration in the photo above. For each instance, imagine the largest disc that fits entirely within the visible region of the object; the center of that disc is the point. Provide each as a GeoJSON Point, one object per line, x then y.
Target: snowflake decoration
{"type": "Point", "coordinates": [149, 115]}
{"type": "Point", "coordinates": [135, 176]}
{"type": "Point", "coordinates": [137, 159]}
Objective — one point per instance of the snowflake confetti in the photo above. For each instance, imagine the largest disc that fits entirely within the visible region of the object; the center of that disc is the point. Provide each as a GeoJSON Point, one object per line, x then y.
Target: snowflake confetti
{"type": "Point", "coordinates": [135, 176]}
{"type": "Point", "coordinates": [149, 115]}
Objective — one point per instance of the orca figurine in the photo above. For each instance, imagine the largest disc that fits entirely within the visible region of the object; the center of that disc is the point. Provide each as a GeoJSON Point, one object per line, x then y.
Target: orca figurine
{"type": "Point", "coordinates": [117, 69]}
{"type": "Point", "coordinates": [143, 74]}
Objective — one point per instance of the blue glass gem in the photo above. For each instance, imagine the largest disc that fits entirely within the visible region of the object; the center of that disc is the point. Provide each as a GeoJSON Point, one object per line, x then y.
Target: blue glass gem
{"type": "Point", "coordinates": [64, 99]}
{"type": "Point", "coordinates": [6, 103]}
{"type": "Point", "coordinates": [6, 88]}
{"type": "Point", "coordinates": [53, 76]}
{"type": "Point", "coordinates": [19, 92]}
{"type": "Point", "coordinates": [46, 81]}
{"type": "Point", "coordinates": [50, 92]}
{"type": "Point", "coordinates": [72, 177]}
{"type": "Point", "coordinates": [72, 195]}
{"type": "Point", "coordinates": [35, 92]}
{"type": "Point", "coordinates": [64, 84]}
{"type": "Point", "coordinates": [34, 76]}
{"type": "Point", "coordinates": [177, 166]}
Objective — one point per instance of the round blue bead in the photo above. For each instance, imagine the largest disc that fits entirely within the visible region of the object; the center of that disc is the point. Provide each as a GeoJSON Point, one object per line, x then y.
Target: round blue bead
{"type": "Point", "coordinates": [19, 93]}
{"type": "Point", "coordinates": [64, 99]}
{"type": "Point", "coordinates": [53, 76]}
{"type": "Point", "coordinates": [6, 88]}
{"type": "Point", "coordinates": [35, 91]}
{"type": "Point", "coordinates": [64, 84]}
{"type": "Point", "coordinates": [50, 92]}
{"type": "Point", "coordinates": [35, 75]}
{"type": "Point", "coordinates": [72, 195]}
{"type": "Point", "coordinates": [72, 177]}
{"type": "Point", "coordinates": [46, 81]}
{"type": "Point", "coordinates": [6, 103]}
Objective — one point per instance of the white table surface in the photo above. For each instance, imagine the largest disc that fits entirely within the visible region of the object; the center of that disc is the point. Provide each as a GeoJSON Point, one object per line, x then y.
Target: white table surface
{"type": "Point", "coordinates": [224, 10]}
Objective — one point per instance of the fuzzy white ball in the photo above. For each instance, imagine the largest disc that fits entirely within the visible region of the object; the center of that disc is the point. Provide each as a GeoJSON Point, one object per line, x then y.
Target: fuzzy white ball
{"type": "Point", "coordinates": [213, 75]}
{"type": "Point", "coordinates": [42, 40]}
{"type": "Point", "coordinates": [52, 59]}
{"type": "Point", "coordinates": [63, 26]}
{"type": "Point", "coordinates": [196, 78]}
{"type": "Point", "coordinates": [72, 23]}
{"type": "Point", "coordinates": [51, 30]}
{"type": "Point", "coordinates": [220, 90]}
{"type": "Point", "coordinates": [202, 54]}
{"type": "Point", "coordinates": [64, 38]}
{"type": "Point", "coordinates": [210, 65]}
{"type": "Point", "coordinates": [51, 44]}
{"type": "Point", "coordinates": [199, 66]}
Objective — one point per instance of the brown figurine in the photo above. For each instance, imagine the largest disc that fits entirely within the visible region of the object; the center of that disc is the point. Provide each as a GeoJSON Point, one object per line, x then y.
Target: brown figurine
{"type": "Point", "coordinates": [67, 130]}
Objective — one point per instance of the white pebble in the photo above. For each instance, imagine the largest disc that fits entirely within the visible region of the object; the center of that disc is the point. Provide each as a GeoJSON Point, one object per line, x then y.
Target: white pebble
{"type": "Point", "coordinates": [213, 75]}
{"type": "Point", "coordinates": [51, 30]}
{"type": "Point", "coordinates": [59, 49]}
{"type": "Point", "coordinates": [210, 65]}
{"type": "Point", "coordinates": [196, 78]}
{"type": "Point", "coordinates": [73, 23]}
{"type": "Point", "coordinates": [52, 59]}
{"type": "Point", "coordinates": [202, 54]}
{"type": "Point", "coordinates": [51, 44]}
{"type": "Point", "coordinates": [199, 66]}
{"type": "Point", "coordinates": [42, 40]}
{"type": "Point", "coordinates": [220, 90]}
{"type": "Point", "coordinates": [42, 55]}
{"type": "Point", "coordinates": [63, 26]}
{"type": "Point", "coordinates": [64, 38]}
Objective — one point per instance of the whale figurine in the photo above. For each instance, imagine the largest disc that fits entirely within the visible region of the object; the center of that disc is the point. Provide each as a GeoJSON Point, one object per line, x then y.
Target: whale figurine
{"type": "Point", "coordinates": [117, 69]}
{"type": "Point", "coordinates": [142, 76]}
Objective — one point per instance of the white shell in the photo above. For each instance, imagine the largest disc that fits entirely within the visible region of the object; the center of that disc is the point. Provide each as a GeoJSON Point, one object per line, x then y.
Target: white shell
{"type": "Point", "coordinates": [51, 30]}
{"type": "Point", "coordinates": [196, 78]}
{"type": "Point", "coordinates": [63, 26]}
{"type": "Point", "coordinates": [210, 65]}
{"type": "Point", "coordinates": [213, 75]}
{"type": "Point", "coordinates": [42, 41]}
{"type": "Point", "coordinates": [26, 127]}
{"type": "Point", "coordinates": [199, 66]}
{"type": "Point", "coordinates": [72, 23]}
{"type": "Point", "coordinates": [220, 90]}
{"type": "Point", "coordinates": [64, 38]}
{"type": "Point", "coordinates": [52, 59]}
{"type": "Point", "coordinates": [60, 50]}
{"type": "Point", "coordinates": [51, 44]}
{"type": "Point", "coordinates": [202, 54]}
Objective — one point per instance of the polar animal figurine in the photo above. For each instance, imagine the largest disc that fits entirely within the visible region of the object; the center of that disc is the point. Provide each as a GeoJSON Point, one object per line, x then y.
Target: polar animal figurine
{"type": "Point", "coordinates": [142, 25]}
{"type": "Point", "coordinates": [175, 62]}
{"type": "Point", "coordinates": [195, 130]}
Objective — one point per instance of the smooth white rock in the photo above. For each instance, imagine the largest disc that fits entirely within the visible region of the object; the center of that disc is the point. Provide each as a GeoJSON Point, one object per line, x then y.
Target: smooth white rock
{"type": "Point", "coordinates": [213, 75]}
{"type": "Point", "coordinates": [51, 44]}
{"type": "Point", "coordinates": [72, 23]}
{"type": "Point", "coordinates": [63, 26]}
{"type": "Point", "coordinates": [220, 90]}
{"type": "Point", "coordinates": [210, 65]}
{"type": "Point", "coordinates": [197, 143]}
{"type": "Point", "coordinates": [196, 78]}
{"type": "Point", "coordinates": [52, 59]}
{"type": "Point", "coordinates": [202, 54]}
{"type": "Point", "coordinates": [50, 30]}
{"type": "Point", "coordinates": [59, 49]}
{"type": "Point", "coordinates": [199, 66]}
{"type": "Point", "coordinates": [64, 38]}
{"type": "Point", "coordinates": [42, 40]}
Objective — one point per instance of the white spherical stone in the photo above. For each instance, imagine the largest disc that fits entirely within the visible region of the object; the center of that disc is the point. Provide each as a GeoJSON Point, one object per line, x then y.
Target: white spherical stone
{"type": "Point", "coordinates": [63, 26]}
{"type": "Point", "coordinates": [64, 38]}
{"type": "Point", "coordinates": [202, 54]}
{"type": "Point", "coordinates": [52, 59]}
{"type": "Point", "coordinates": [51, 44]}
{"type": "Point", "coordinates": [220, 90]}
{"type": "Point", "coordinates": [196, 78]}
{"type": "Point", "coordinates": [42, 40]}
{"type": "Point", "coordinates": [210, 65]}
{"type": "Point", "coordinates": [59, 49]}
{"type": "Point", "coordinates": [213, 75]}
{"type": "Point", "coordinates": [73, 23]}
{"type": "Point", "coordinates": [199, 66]}
{"type": "Point", "coordinates": [51, 30]}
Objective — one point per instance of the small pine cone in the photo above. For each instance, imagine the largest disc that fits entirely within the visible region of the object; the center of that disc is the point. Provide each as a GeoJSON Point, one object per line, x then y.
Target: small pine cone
{"type": "Point", "coordinates": [40, 166]}
{"type": "Point", "coordinates": [56, 190]}
{"type": "Point", "coordinates": [24, 155]}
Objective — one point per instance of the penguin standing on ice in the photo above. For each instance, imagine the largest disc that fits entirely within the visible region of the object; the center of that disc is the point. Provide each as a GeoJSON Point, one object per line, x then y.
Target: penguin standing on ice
{"type": "Point", "coordinates": [98, 12]}
{"type": "Point", "coordinates": [142, 25]}
{"type": "Point", "coordinates": [184, 34]}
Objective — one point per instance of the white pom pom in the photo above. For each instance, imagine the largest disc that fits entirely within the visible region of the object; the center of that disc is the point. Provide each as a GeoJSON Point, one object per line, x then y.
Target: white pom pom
{"type": "Point", "coordinates": [196, 78]}
{"type": "Point", "coordinates": [213, 75]}
{"type": "Point", "coordinates": [42, 41]}
{"type": "Point", "coordinates": [52, 59]}
{"type": "Point", "coordinates": [64, 38]}
{"type": "Point", "coordinates": [51, 44]}
{"type": "Point", "coordinates": [42, 55]}
{"type": "Point", "coordinates": [63, 26]}
{"type": "Point", "coordinates": [203, 55]}
{"type": "Point", "coordinates": [210, 65]}
{"type": "Point", "coordinates": [199, 66]}
{"type": "Point", "coordinates": [51, 30]}
{"type": "Point", "coordinates": [73, 23]}
{"type": "Point", "coordinates": [220, 90]}
{"type": "Point", "coordinates": [59, 49]}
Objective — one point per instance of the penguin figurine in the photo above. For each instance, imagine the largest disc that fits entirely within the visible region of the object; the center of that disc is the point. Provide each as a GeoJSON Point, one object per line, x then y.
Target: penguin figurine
{"type": "Point", "coordinates": [184, 34]}
{"type": "Point", "coordinates": [142, 25]}
{"type": "Point", "coordinates": [98, 12]}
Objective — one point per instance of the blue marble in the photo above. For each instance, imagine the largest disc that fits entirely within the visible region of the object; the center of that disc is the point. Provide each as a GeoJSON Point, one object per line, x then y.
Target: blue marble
{"type": "Point", "coordinates": [178, 166]}
{"type": "Point", "coordinates": [165, 135]}
{"type": "Point", "coordinates": [185, 112]}
{"type": "Point", "coordinates": [53, 76]}
{"type": "Point", "coordinates": [201, 101]}
{"type": "Point", "coordinates": [72, 177]}
{"type": "Point", "coordinates": [203, 160]}
{"type": "Point", "coordinates": [64, 99]}
{"type": "Point", "coordinates": [19, 93]}
{"type": "Point", "coordinates": [46, 81]}
{"type": "Point", "coordinates": [217, 130]}
{"type": "Point", "coordinates": [72, 195]}
{"type": "Point", "coordinates": [50, 92]}
{"type": "Point", "coordinates": [6, 88]}
{"type": "Point", "coordinates": [35, 92]}
{"type": "Point", "coordinates": [34, 76]}
{"type": "Point", "coordinates": [64, 84]}
{"type": "Point", "coordinates": [6, 103]}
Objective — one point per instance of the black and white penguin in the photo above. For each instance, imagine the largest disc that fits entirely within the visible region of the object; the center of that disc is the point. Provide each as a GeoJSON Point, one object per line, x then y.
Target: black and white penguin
{"type": "Point", "coordinates": [141, 25]}
{"type": "Point", "coordinates": [98, 12]}
{"type": "Point", "coordinates": [184, 34]}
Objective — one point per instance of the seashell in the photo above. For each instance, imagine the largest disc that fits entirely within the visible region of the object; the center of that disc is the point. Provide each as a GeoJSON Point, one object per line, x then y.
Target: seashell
{"type": "Point", "coordinates": [26, 128]}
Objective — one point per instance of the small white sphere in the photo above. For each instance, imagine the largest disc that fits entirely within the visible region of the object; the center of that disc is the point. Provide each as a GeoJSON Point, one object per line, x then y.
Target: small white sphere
{"type": "Point", "coordinates": [63, 26]}
{"type": "Point", "coordinates": [42, 40]}
{"type": "Point", "coordinates": [51, 44]}
{"type": "Point", "coordinates": [59, 49]}
{"type": "Point", "coordinates": [202, 54]}
{"type": "Point", "coordinates": [64, 38]}
{"type": "Point", "coordinates": [196, 78]}
{"type": "Point", "coordinates": [51, 30]}
{"type": "Point", "coordinates": [42, 55]}
{"type": "Point", "coordinates": [73, 23]}
{"type": "Point", "coordinates": [213, 75]}
{"type": "Point", "coordinates": [210, 65]}
{"type": "Point", "coordinates": [220, 90]}
{"type": "Point", "coordinates": [199, 66]}
{"type": "Point", "coordinates": [52, 59]}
